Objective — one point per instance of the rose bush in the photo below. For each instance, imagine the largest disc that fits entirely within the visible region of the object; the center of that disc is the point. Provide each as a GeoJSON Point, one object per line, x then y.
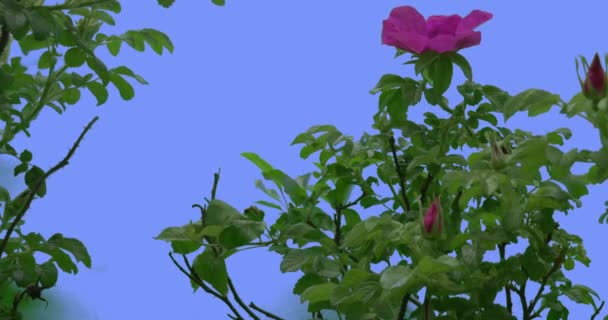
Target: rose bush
{"type": "Point", "coordinates": [444, 213]}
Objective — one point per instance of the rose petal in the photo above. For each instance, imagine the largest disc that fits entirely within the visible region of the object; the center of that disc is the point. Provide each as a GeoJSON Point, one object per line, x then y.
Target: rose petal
{"type": "Point", "coordinates": [436, 25]}
{"type": "Point", "coordinates": [473, 20]}
{"type": "Point", "coordinates": [467, 39]}
{"type": "Point", "coordinates": [443, 43]}
{"type": "Point", "coordinates": [406, 18]}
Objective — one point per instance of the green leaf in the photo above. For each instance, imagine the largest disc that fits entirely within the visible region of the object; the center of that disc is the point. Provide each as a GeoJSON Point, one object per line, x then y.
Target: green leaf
{"type": "Point", "coordinates": [306, 281]}
{"type": "Point", "coordinates": [32, 177]}
{"type": "Point", "coordinates": [257, 160]}
{"type": "Point", "coordinates": [269, 204]}
{"type": "Point", "coordinates": [172, 234]}
{"type": "Point", "coordinates": [22, 167]}
{"type": "Point", "coordinates": [388, 81]}
{"type": "Point", "coordinates": [291, 187]}
{"type": "Point", "coordinates": [40, 21]}
{"type": "Point", "coordinates": [295, 259]}
{"type": "Point", "coordinates": [166, 3]}
{"type": "Point", "coordinates": [99, 67]}
{"type": "Point", "coordinates": [45, 60]}
{"type": "Point", "coordinates": [219, 2]}
{"type": "Point", "coordinates": [212, 270]}
{"type": "Point", "coordinates": [48, 273]}
{"type": "Point", "coordinates": [123, 70]}
{"type": "Point", "coordinates": [124, 88]}
{"type": "Point", "coordinates": [318, 292]}
{"type": "Point", "coordinates": [534, 100]}
{"type": "Point", "coordinates": [75, 57]}
{"type": "Point", "coordinates": [431, 266]}
{"type": "Point", "coordinates": [241, 232]}
{"type": "Point", "coordinates": [114, 45]}
{"type": "Point", "coordinates": [463, 64]}
{"type": "Point", "coordinates": [440, 74]}
{"type": "Point", "coordinates": [219, 213]}
{"type": "Point", "coordinates": [74, 246]}
{"type": "Point", "coordinates": [5, 196]}
{"type": "Point", "coordinates": [399, 278]}
{"type": "Point", "coordinates": [99, 91]}
{"type": "Point", "coordinates": [25, 156]}
{"type": "Point", "coordinates": [71, 95]}
{"type": "Point", "coordinates": [580, 294]}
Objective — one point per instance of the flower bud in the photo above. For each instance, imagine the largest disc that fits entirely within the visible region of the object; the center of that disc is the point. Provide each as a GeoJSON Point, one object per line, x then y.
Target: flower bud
{"type": "Point", "coordinates": [497, 155]}
{"type": "Point", "coordinates": [254, 213]}
{"type": "Point", "coordinates": [594, 86]}
{"type": "Point", "coordinates": [433, 220]}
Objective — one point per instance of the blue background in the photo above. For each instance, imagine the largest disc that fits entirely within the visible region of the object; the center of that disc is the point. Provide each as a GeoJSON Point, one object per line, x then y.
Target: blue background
{"type": "Point", "coordinates": [250, 77]}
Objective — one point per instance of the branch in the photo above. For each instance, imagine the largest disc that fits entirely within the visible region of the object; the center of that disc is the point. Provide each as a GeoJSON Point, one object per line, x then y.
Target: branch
{"type": "Point", "coordinates": [30, 197]}
{"type": "Point", "coordinates": [401, 178]}
{"type": "Point", "coordinates": [597, 311]}
{"type": "Point", "coordinates": [403, 307]}
{"type": "Point", "coordinates": [556, 266]}
{"type": "Point", "coordinates": [264, 312]}
{"type": "Point", "coordinates": [196, 279]}
{"type": "Point", "coordinates": [5, 36]}
{"type": "Point", "coordinates": [501, 250]}
{"type": "Point", "coordinates": [239, 301]}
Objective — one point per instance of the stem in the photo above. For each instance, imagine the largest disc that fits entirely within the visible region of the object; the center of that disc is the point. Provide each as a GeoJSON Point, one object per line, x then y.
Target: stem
{"type": "Point", "coordinates": [556, 266]}
{"type": "Point", "coordinates": [264, 312]}
{"type": "Point", "coordinates": [239, 301]}
{"type": "Point", "coordinates": [196, 279]}
{"type": "Point", "coordinates": [399, 173]}
{"type": "Point", "coordinates": [403, 307]}
{"type": "Point", "coordinates": [501, 249]}
{"type": "Point", "coordinates": [5, 37]}
{"type": "Point", "coordinates": [32, 191]}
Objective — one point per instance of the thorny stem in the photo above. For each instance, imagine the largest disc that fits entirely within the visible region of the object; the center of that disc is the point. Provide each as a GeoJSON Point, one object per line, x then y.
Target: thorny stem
{"type": "Point", "coordinates": [31, 193]}
{"type": "Point", "coordinates": [399, 173]}
{"type": "Point", "coordinates": [501, 249]}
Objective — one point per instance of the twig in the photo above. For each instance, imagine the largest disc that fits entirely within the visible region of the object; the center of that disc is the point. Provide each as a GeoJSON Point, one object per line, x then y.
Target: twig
{"type": "Point", "coordinates": [399, 173]}
{"type": "Point", "coordinates": [403, 307]}
{"type": "Point", "coordinates": [196, 279]}
{"type": "Point", "coordinates": [240, 302]}
{"type": "Point", "coordinates": [264, 312]}
{"type": "Point", "coordinates": [64, 162]}
{"type": "Point", "coordinates": [501, 250]}
{"type": "Point", "coordinates": [556, 266]}
{"type": "Point", "coordinates": [597, 311]}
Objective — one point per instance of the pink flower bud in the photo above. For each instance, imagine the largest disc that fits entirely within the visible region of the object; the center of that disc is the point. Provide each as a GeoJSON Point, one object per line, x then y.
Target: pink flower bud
{"type": "Point", "coordinates": [594, 87]}
{"type": "Point", "coordinates": [433, 220]}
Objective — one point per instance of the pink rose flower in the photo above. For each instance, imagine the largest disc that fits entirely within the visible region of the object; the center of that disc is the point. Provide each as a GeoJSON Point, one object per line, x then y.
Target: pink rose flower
{"type": "Point", "coordinates": [595, 82]}
{"type": "Point", "coordinates": [432, 220]}
{"type": "Point", "coordinates": [407, 30]}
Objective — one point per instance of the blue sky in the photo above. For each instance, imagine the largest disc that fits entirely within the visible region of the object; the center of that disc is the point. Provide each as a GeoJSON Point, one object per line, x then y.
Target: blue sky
{"type": "Point", "coordinates": [250, 77]}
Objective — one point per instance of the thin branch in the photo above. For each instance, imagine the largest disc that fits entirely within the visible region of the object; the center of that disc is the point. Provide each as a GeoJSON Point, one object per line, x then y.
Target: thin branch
{"type": "Point", "coordinates": [240, 302]}
{"type": "Point", "coordinates": [501, 250]}
{"type": "Point", "coordinates": [32, 192]}
{"type": "Point", "coordinates": [597, 311]}
{"type": "Point", "coordinates": [556, 266]}
{"type": "Point", "coordinates": [196, 279]}
{"type": "Point", "coordinates": [399, 173]}
{"type": "Point", "coordinates": [403, 307]}
{"type": "Point", "coordinates": [5, 36]}
{"type": "Point", "coordinates": [264, 312]}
